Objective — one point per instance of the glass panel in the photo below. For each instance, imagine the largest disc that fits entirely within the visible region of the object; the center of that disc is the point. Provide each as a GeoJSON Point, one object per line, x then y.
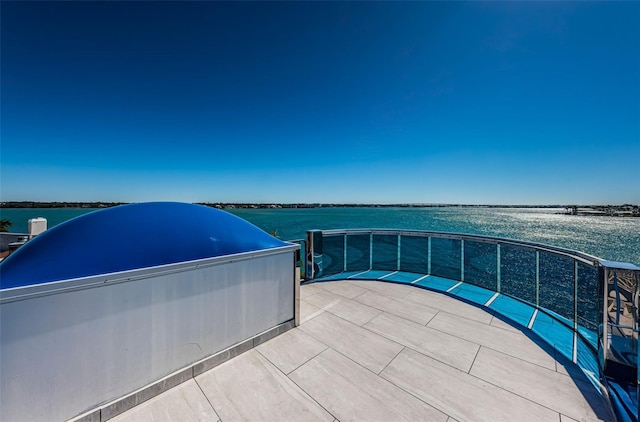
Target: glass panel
{"type": "Point", "coordinates": [385, 252]}
{"type": "Point", "coordinates": [622, 306]}
{"type": "Point", "coordinates": [588, 296]}
{"type": "Point", "coordinates": [472, 293]}
{"type": "Point", "coordinates": [622, 316]}
{"type": "Point", "coordinates": [556, 284]}
{"type": "Point", "coordinates": [445, 258]}
{"type": "Point", "coordinates": [414, 254]}
{"type": "Point", "coordinates": [481, 264]}
{"type": "Point", "coordinates": [513, 309]}
{"type": "Point", "coordinates": [436, 283]}
{"type": "Point", "coordinates": [590, 336]}
{"type": "Point", "coordinates": [358, 252]}
{"type": "Point", "coordinates": [518, 272]}
{"type": "Point", "coordinates": [333, 256]}
{"type": "Point", "coordinates": [402, 277]}
{"type": "Point", "coordinates": [556, 333]}
{"type": "Point", "coordinates": [587, 357]}
{"type": "Point", "coordinates": [313, 260]}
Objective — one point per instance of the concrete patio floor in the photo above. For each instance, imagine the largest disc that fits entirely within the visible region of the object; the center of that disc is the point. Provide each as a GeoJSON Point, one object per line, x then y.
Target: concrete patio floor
{"type": "Point", "coordinates": [375, 351]}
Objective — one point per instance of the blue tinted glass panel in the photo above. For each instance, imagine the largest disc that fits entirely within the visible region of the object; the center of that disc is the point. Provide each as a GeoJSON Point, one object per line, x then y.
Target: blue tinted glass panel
{"type": "Point", "coordinates": [437, 283]}
{"type": "Point", "coordinates": [515, 310]}
{"type": "Point", "coordinates": [414, 254]}
{"type": "Point", "coordinates": [371, 275]}
{"type": "Point", "coordinates": [481, 264]}
{"type": "Point", "coordinates": [590, 336]}
{"type": "Point", "coordinates": [358, 252]}
{"type": "Point", "coordinates": [472, 293]}
{"type": "Point", "coordinates": [339, 276]}
{"type": "Point", "coordinates": [588, 296]}
{"type": "Point", "coordinates": [445, 258]}
{"type": "Point", "coordinates": [333, 254]}
{"type": "Point", "coordinates": [385, 252]}
{"type": "Point", "coordinates": [587, 357]}
{"type": "Point", "coordinates": [623, 349]}
{"type": "Point", "coordinates": [555, 333]}
{"type": "Point", "coordinates": [556, 284]}
{"type": "Point", "coordinates": [403, 277]}
{"type": "Point", "coordinates": [518, 272]}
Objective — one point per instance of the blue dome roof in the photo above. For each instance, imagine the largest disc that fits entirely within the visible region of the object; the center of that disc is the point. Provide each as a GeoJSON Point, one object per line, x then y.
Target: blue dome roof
{"type": "Point", "coordinates": [130, 237]}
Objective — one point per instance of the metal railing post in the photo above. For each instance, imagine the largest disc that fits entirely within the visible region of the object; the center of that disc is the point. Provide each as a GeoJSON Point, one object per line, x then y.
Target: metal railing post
{"type": "Point", "coordinates": [370, 251]}
{"type": "Point", "coordinates": [429, 255]}
{"type": "Point", "coordinates": [314, 250]}
{"type": "Point", "coordinates": [604, 340]}
{"type": "Point", "coordinates": [344, 254]}
{"type": "Point", "coordinates": [575, 311]}
{"type": "Point", "coordinates": [461, 259]}
{"type": "Point", "coordinates": [618, 283]}
{"type": "Point", "coordinates": [399, 252]}
{"type": "Point", "coordinates": [498, 272]}
{"type": "Point", "coordinates": [537, 278]}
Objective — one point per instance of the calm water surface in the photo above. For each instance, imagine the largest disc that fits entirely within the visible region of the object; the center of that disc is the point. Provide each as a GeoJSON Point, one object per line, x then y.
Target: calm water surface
{"type": "Point", "coordinates": [606, 237]}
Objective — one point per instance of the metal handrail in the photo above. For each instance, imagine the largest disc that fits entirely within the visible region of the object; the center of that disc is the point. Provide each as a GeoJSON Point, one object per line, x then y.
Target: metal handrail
{"type": "Point", "coordinates": [582, 256]}
{"type": "Point", "coordinates": [587, 311]}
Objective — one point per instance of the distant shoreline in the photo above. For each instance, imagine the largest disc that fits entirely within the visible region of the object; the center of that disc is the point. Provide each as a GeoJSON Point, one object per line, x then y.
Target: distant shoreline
{"type": "Point", "coordinates": [626, 210]}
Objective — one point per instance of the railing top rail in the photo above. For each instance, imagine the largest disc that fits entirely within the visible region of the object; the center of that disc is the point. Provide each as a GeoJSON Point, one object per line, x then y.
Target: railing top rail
{"type": "Point", "coordinates": [586, 301]}
{"type": "Point", "coordinates": [619, 265]}
{"type": "Point", "coordinates": [584, 257]}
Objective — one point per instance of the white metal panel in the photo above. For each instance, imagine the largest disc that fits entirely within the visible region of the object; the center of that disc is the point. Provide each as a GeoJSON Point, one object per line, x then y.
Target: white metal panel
{"type": "Point", "coordinates": [66, 352]}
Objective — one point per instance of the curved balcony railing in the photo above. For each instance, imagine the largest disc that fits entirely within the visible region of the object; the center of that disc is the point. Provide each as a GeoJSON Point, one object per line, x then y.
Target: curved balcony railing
{"type": "Point", "coordinates": [583, 306]}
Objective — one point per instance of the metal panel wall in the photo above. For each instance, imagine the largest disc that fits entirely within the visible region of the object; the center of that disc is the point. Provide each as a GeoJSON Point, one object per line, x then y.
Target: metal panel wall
{"type": "Point", "coordinates": [65, 352]}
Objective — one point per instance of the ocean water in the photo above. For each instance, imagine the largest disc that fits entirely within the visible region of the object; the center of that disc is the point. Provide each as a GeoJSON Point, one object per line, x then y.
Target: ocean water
{"type": "Point", "coordinates": [610, 238]}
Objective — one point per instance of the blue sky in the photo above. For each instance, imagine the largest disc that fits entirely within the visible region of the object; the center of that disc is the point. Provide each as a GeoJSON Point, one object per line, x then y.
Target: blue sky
{"type": "Point", "coordinates": [421, 102]}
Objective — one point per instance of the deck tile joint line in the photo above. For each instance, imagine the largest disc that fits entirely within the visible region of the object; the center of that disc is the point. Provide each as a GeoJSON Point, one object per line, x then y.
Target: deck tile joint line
{"type": "Point", "coordinates": [431, 319]}
{"type": "Point", "coordinates": [303, 363]}
{"type": "Point", "coordinates": [491, 299]}
{"type": "Point", "coordinates": [310, 396]}
{"type": "Point", "coordinates": [514, 393]}
{"type": "Point", "coordinates": [388, 275]}
{"type": "Point", "coordinates": [454, 286]}
{"type": "Point", "coordinates": [357, 274]}
{"type": "Point", "coordinates": [419, 279]}
{"type": "Point", "coordinates": [361, 365]}
{"type": "Point", "coordinates": [412, 394]}
{"type": "Point", "coordinates": [394, 358]}
{"type": "Point", "coordinates": [207, 397]}
{"type": "Point", "coordinates": [474, 359]}
{"type": "Point", "coordinates": [308, 360]}
{"type": "Point", "coordinates": [533, 319]}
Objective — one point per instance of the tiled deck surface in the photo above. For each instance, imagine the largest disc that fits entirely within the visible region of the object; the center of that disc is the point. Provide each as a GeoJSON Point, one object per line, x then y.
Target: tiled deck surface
{"type": "Point", "coordinates": [375, 351]}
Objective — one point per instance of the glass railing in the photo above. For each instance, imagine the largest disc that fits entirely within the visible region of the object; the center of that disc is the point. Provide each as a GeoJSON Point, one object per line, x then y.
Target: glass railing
{"type": "Point", "coordinates": [558, 293]}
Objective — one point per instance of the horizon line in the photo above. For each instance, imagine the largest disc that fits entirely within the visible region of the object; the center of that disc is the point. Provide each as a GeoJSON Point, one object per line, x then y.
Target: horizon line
{"type": "Point", "coordinates": [320, 204]}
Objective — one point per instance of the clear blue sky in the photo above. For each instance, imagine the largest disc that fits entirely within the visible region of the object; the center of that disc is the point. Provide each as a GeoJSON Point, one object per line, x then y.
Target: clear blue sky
{"type": "Point", "coordinates": [421, 102]}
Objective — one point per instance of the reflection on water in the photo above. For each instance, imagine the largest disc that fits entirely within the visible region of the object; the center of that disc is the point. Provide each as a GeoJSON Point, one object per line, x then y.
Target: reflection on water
{"type": "Point", "coordinates": [613, 238]}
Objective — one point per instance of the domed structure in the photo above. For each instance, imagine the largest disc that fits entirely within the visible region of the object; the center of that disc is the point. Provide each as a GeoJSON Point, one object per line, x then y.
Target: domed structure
{"type": "Point", "coordinates": [130, 237]}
